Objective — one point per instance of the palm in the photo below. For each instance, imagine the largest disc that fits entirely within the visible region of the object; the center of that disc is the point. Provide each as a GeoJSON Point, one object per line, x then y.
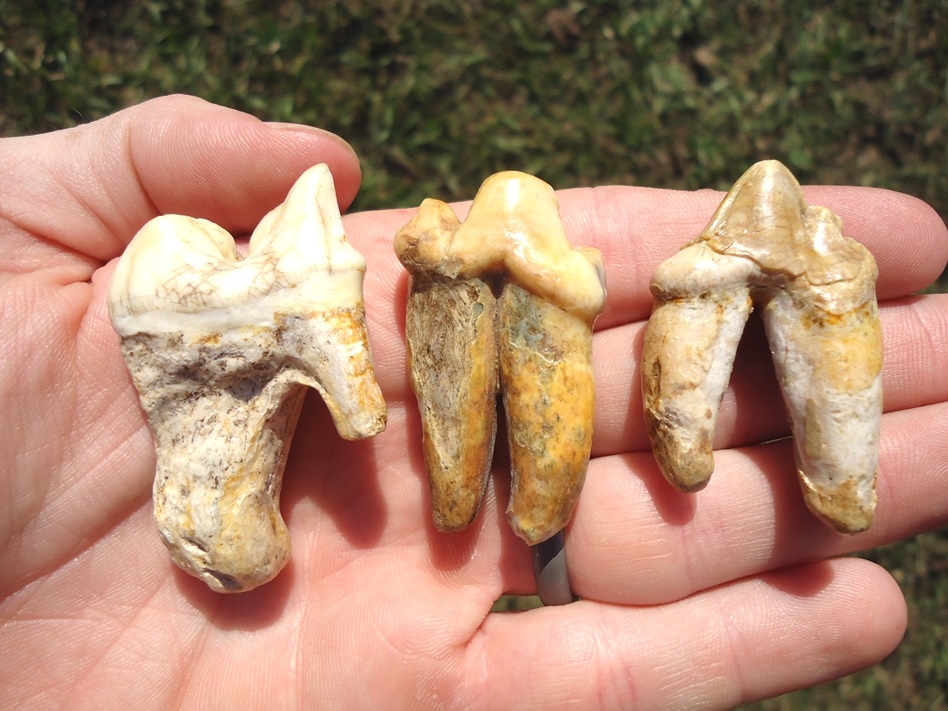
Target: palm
{"type": "Point", "coordinates": [377, 609]}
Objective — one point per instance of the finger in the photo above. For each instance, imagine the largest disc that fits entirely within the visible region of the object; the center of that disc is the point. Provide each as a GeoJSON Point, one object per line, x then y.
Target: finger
{"type": "Point", "coordinates": [175, 154]}
{"type": "Point", "coordinates": [635, 539]}
{"type": "Point", "coordinates": [747, 640]}
{"type": "Point", "coordinates": [915, 341]}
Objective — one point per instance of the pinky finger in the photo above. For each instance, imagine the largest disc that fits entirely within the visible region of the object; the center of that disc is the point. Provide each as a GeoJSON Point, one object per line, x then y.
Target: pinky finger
{"type": "Point", "coordinates": [748, 640]}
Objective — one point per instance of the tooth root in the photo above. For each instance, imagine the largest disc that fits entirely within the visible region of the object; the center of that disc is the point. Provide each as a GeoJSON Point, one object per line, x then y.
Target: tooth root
{"type": "Point", "coordinates": [549, 392]}
{"type": "Point", "coordinates": [451, 351]}
{"type": "Point", "coordinates": [832, 387]}
{"type": "Point", "coordinates": [829, 366]}
{"type": "Point", "coordinates": [221, 452]}
{"type": "Point", "coordinates": [335, 359]}
{"type": "Point", "coordinates": [688, 353]}
{"type": "Point", "coordinates": [817, 289]}
{"type": "Point", "coordinates": [221, 351]}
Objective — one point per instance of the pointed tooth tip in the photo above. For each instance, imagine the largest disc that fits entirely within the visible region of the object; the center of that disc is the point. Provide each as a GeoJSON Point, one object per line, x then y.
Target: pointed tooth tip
{"type": "Point", "coordinates": [500, 181]}
{"type": "Point", "coordinates": [311, 180]}
{"type": "Point", "coordinates": [768, 181]}
{"type": "Point", "coordinates": [772, 171]}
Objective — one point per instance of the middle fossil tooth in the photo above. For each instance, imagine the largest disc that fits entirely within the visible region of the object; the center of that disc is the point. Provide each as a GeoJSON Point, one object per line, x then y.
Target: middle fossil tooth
{"type": "Point", "coordinates": [502, 301]}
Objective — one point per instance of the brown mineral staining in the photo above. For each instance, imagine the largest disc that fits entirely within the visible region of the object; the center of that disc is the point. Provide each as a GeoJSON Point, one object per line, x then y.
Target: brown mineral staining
{"type": "Point", "coordinates": [450, 327]}
{"type": "Point", "coordinates": [816, 291]}
{"type": "Point", "coordinates": [221, 350]}
{"type": "Point", "coordinates": [502, 302]}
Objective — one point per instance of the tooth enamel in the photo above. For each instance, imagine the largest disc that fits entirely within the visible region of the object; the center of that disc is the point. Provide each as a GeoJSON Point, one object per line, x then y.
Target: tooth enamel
{"type": "Point", "coordinates": [221, 350]}
{"type": "Point", "coordinates": [817, 293]}
{"type": "Point", "coordinates": [539, 332]}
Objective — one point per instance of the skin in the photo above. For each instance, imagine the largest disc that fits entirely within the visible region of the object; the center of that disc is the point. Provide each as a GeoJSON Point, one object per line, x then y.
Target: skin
{"type": "Point", "coordinates": [704, 602]}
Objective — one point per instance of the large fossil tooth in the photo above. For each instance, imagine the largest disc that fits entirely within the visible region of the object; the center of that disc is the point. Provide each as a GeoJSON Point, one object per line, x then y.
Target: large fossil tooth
{"type": "Point", "coordinates": [816, 289]}
{"type": "Point", "coordinates": [222, 349]}
{"type": "Point", "coordinates": [503, 287]}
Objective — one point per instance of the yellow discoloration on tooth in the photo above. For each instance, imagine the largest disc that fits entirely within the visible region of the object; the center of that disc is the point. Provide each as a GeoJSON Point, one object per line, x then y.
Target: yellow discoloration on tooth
{"type": "Point", "coordinates": [549, 393]}
{"type": "Point", "coordinates": [221, 350]}
{"type": "Point", "coordinates": [817, 293]}
{"type": "Point", "coordinates": [687, 355]}
{"type": "Point", "coordinates": [512, 246]}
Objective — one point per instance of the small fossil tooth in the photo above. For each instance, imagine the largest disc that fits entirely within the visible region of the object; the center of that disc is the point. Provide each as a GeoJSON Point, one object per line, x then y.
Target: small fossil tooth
{"type": "Point", "coordinates": [512, 246]}
{"type": "Point", "coordinates": [816, 289]}
{"type": "Point", "coordinates": [221, 350]}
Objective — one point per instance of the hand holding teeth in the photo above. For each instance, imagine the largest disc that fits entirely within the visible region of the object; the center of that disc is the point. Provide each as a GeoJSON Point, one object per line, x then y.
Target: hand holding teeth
{"type": "Point", "coordinates": [222, 349]}
{"type": "Point", "coordinates": [816, 290]}
{"type": "Point", "coordinates": [502, 301]}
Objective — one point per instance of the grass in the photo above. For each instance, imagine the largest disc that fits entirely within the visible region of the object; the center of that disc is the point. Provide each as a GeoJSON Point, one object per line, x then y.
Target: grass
{"type": "Point", "coordinates": [437, 94]}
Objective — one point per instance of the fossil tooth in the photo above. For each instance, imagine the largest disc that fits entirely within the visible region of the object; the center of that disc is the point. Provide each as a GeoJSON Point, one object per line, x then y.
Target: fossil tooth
{"type": "Point", "coordinates": [222, 349]}
{"type": "Point", "coordinates": [503, 296]}
{"type": "Point", "coordinates": [816, 290]}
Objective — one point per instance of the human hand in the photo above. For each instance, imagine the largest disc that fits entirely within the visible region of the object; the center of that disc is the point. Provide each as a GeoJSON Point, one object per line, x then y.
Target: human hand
{"type": "Point", "coordinates": [689, 600]}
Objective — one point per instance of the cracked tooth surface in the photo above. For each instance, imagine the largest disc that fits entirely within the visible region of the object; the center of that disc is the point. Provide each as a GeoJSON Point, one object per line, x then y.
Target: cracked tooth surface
{"type": "Point", "coordinates": [221, 350]}
{"type": "Point", "coordinates": [450, 333]}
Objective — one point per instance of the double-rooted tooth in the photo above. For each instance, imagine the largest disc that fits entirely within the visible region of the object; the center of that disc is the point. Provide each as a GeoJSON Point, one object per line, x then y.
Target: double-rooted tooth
{"type": "Point", "coordinates": [222, 349]}
{"type": "Point", "coordinates": [816, 290]}
{"type": "Point", "coordinates": [502, 301]}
